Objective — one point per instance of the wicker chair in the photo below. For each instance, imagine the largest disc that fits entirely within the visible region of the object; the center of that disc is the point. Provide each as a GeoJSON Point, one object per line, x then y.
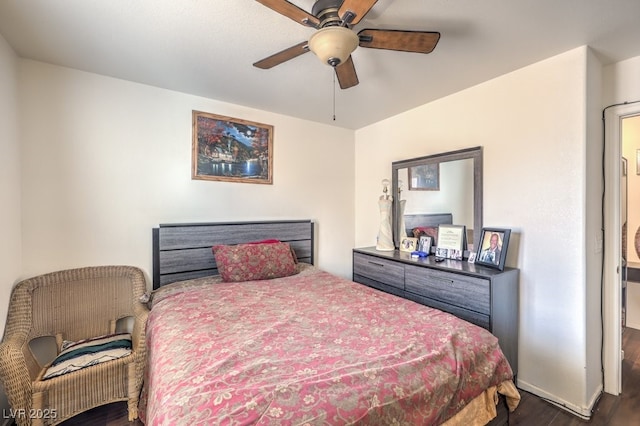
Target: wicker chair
{"type": "Point", "coordinates": [72, 305]}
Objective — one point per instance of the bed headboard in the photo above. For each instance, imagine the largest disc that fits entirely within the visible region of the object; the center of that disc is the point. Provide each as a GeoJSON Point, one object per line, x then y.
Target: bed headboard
{"type": "Point", "coordinates": [182, 251]}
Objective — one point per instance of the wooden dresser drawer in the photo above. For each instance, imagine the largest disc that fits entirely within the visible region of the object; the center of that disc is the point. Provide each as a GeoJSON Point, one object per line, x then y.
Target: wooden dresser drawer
{"type": "Point", "coordinates": [473, 317]}
{"type": "Point", "coordinates": [477, 294]}
{"type": "Point", "coordinates": [381, 270]}
{"type": "Point", "coordinates": [455, 289]}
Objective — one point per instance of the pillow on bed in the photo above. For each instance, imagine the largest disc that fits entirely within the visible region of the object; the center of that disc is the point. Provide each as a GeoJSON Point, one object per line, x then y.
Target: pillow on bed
{"type": "Point", "coordinates": [264, 242]}
{"type": "Point", "coordinates": [85, 353]}
{"type": "Point", "coordinates": [431, 231]}
{"type": "Point", "coordinates": [293, 252]}
{"type": "Point", "coordinates": [247, 262]}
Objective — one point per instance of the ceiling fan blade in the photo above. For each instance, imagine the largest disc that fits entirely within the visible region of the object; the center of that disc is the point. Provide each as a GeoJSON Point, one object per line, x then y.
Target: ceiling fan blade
{"type": "Point", "coordinates": [406, 41]}
{"type": "Point", "coordinates": [292, 11]}
{"type": "Point", "coordinates": [357, 7]}
{"type": "Point", "coordinates": [283, 56]}
{"type": "Point", "coordinates": [346, 73]}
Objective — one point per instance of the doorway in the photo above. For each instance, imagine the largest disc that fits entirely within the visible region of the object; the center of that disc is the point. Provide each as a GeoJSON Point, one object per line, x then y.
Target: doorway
{"type": "Point", "coordinates": [631, 239]}
{"type": "Point", "coordinates": [613, 242]}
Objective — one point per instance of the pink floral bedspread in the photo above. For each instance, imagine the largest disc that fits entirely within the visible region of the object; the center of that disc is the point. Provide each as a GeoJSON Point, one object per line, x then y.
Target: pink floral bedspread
{"type": "Point", "coordinates": [311, 349]}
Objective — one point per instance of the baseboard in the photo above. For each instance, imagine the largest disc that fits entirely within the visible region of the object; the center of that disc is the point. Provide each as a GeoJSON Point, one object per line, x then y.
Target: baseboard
{"type": "Point", "coordinates": [581, 412]}
{"type": "Point", "coordinates": [596, 397]}
{"type": "Point", "coordinates": [632, 323]}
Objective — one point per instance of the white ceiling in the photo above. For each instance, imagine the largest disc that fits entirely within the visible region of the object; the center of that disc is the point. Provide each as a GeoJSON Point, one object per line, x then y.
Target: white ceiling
{"type": "Point", "coordinates": [207, 47]}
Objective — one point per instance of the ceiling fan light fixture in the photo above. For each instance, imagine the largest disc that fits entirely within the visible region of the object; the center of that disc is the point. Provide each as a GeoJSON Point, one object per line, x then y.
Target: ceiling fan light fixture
{"type": "Point", "coordinates": [333, 45]}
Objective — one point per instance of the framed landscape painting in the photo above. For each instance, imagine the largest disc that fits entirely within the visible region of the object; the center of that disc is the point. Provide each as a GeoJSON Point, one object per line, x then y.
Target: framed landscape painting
{"type": "Point", "coordinates": [231, 150]}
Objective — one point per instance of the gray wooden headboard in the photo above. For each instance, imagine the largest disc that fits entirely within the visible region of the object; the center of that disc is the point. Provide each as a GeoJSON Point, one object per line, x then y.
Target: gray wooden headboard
{"type": "Point", "coordinates": [182, 251]}
{"type": "Point", "coordinates": [426, 219]}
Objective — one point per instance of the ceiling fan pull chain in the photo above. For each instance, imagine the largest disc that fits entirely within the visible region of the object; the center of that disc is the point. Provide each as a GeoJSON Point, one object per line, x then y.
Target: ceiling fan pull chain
{"type": "Point", "coordinates": [334, 95]}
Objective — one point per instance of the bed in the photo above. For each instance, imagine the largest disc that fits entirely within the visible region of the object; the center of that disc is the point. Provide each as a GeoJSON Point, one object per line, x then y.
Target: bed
{"type": "Point", "coordinates": [305, 348]}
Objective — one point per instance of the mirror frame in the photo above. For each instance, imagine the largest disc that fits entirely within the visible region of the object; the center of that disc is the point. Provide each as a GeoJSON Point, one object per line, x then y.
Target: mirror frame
{"type": "Point", "coordinates": [474, 153]}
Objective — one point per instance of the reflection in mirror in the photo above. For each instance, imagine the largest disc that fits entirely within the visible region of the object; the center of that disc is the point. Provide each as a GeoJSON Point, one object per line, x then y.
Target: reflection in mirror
{"type": "Point", "coordinates": [438, 189]}
{"type": "Point", "coordinates": [454, 196]}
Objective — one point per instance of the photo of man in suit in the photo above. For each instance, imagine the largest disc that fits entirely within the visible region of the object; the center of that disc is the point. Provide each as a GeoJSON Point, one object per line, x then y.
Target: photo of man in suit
{"type": "Point", "coordinates": [491, 254]}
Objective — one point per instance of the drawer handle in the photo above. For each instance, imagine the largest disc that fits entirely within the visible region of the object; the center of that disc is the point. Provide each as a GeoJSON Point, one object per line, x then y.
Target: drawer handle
{"type": "Point", "coordinates": [445, 281]}
{"type": "Point", "coordinates": [377, 264]}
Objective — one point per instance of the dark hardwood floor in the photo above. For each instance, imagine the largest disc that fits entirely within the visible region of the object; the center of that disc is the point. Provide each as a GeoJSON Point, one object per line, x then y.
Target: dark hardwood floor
{"type": "Point", "coordinates": [623, 410]}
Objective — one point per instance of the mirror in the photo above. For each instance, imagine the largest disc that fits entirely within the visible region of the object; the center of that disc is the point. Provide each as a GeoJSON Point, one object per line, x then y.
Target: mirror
{"type": "Point", "coordinates": [438, 189]}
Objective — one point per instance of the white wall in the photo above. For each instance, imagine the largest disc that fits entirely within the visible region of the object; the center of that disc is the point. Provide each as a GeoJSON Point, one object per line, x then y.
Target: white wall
{"type": "Point", "coordinates": [10, 243]}
{"type": "Point", "coordinates": [532, 125]}
{"type": "Point", "coordinates": [593, 239]}
{"type": "Point", "coordinates": [621, 82]}
{"type": "Point", "coordinates": [105, 160]}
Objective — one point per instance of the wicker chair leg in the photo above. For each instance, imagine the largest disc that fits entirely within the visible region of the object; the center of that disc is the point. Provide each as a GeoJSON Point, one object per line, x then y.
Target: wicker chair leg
{"type": "Point", "coordinates": [132, 403]}
{"type": "Point", "coordinates": [133, 411]}
{"type": "Point", "coordinates": [38, 402]}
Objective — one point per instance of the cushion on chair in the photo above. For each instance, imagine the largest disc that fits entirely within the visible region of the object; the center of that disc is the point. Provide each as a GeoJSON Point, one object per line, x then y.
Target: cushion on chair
{"type": "Point", "coordinates": [88, 352]}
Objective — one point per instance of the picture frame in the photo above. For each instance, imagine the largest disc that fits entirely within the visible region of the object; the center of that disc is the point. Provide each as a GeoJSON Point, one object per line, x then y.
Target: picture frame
{"type": "Point", "coordinates": [408, 244]}
{"type": "Point", "coordinates": [472, 257]}
{"type": "Point", "coordinates": [424, 244]}
{"type": "Point", "coordinates": [230, 149]}
{"type": "Point", "coordinates": [442, 252]}
{"type": "Point", "coordinates": [452, 238]}
{"type": "Point", "coordinates": [494, 243]}
{"type": "Point", "coordinates": [425, 177]}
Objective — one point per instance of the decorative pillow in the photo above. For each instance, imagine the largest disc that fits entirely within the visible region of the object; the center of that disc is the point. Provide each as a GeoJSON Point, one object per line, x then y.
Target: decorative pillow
{"type": "Point", "coordinates": [264, 242]}
{"type": "Point", "coordinates": [247, 262]}
{"type": "Point", "coordinates": [293, 252]}
{"type": "Point", "coordinates": [88, 352]}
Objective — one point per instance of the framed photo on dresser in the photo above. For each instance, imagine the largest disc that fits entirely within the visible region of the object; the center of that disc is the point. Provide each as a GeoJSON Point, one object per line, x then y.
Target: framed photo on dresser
{"type": "Point", "coordinates": [424, 244]}
{"type": "Point", "coordinates": [493, 247]}
{"type": "Point", "coordinates": [408, 244]}
{"type": "Point", "coordinates": [451, 238]}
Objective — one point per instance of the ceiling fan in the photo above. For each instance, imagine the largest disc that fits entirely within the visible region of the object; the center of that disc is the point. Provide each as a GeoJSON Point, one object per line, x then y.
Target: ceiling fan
{"type": "Point", "coordinates": [334, 40]}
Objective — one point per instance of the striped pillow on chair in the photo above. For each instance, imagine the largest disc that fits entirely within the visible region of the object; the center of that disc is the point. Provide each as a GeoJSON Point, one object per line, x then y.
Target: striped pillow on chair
{"type": "Point", "coordinates": [88, 352]}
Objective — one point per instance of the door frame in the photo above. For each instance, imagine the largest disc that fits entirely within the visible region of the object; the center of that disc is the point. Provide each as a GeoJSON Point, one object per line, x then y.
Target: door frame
{"type": "Point", "coordinates": [612, 256]}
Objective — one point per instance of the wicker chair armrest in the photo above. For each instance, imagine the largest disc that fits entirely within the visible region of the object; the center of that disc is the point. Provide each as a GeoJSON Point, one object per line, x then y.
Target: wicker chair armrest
{"type": "Point", "coordinates": [141, 312]}
{"type": "Point", "coordinates": [15, 372]}
{"type": "Point", "coordinates": [15, 355]}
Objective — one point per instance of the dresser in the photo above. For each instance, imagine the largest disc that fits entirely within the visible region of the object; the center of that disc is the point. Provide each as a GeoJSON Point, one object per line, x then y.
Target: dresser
{"type": "Point", "coordinates": [483, 296]}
